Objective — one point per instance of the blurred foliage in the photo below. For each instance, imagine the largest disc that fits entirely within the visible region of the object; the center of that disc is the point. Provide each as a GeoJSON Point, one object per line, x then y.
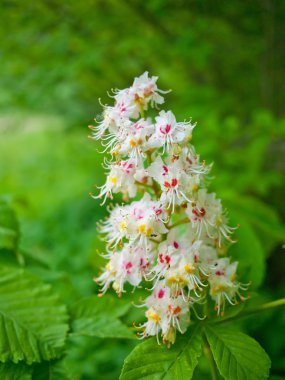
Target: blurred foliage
{"type": "Point", "coordinates": [225, 62]}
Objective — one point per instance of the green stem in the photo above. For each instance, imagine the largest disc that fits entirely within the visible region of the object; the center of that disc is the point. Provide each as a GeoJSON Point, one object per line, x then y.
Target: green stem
{"type": "Point", "coordinates": [211, 360]}
{"type": "Point", "coordinates": [265, 306]}
{"type": "Point", "coordinates": [260, 308]}
{"type": "Point", "coordinates": [182, 221]}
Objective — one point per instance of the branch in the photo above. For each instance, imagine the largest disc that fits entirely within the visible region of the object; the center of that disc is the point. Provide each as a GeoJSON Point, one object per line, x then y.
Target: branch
{"type": "Point", "coordinates": [258, 309]}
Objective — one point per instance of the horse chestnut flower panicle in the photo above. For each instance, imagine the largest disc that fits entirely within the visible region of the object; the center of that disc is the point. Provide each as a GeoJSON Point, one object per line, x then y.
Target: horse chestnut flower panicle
{"type": "Point", "coordinates": [173, 235]}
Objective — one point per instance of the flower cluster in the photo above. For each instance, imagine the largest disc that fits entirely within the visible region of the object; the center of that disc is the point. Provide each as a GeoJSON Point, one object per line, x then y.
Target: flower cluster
{"type": "Point", "coordinates": [173, 235]}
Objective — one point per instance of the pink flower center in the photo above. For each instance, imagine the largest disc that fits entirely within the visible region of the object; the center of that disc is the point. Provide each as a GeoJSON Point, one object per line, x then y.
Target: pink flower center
{"type": "Point", "coordinates": [199, 212]}
{"type": "Point", "coordinates": [166, 129]}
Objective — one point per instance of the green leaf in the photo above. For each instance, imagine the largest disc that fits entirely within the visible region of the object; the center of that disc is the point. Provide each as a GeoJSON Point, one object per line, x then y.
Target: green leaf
{"type": "Point", "coordinates": [9, 229]}
{"type": "Point", "coordinates": [52, 370]}
{"type": "Point", "coordinates": [151, 361]}
{"type": "Point", "coordinates": [11, 371]}
{"type": "Point", "coordinates": [32, 322]}
{"type": "Point", "coordinates": [102, 327]}
{"type": "Point", "coordinates": [94, 305]}
{"type": "Point", "coordinates": [260, 215]}
{"type": "Point", "coordinates": [249, 252]}
{"type": "Point", "coordinates": [231, 312]}
{"type": "Point", "coordinates": [238, 356]}
{"type": "Point", "coordinates": [98, 316]}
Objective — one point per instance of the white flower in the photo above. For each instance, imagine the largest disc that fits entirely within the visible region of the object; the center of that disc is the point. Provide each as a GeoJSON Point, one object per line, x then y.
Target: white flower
{"type": "Point", "coordinates": [148, 221]}
{"type": "Point", "coordinates": [190, 162]}
{"type": "Point", "coordinates": [128, 265]}
{"type": "Point", "coordinates": [113, 119]}
{"type": "Point", "coordinates": [223, 285]}
{"type": "Point", "coordinates": [134, 142]}
{"type": "Point", "coordinates": [207, 257]}
{"type": "Point", "coordinates": [120, 179]}
{"type": "Point", "coordinates": [175, 184]}
{"type": "Point", "coordinates": [165, 314]}
{"type": "Point", "coordinates": [207, 217]}
{"type": "Point", "coordinates": [168, 131]}
{"type": "Point", "coordinates": [145, 90]}
{"type": "Point", "coordinates": [178, 263]}
{"type": "Point", "coordinates": [117, 225]}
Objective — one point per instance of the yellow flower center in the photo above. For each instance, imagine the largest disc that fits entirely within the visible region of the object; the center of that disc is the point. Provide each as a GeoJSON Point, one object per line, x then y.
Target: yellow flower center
{"type": "Point", "coordinates": [142, 229]}
{"type": "Point", "coordinates": [152, 316]}
{"type": "Point", "coordinates": [218, 289]}
{"type": "Point", "coordinates": [189, 269]}
{"type": "Point", "coordinates": [122, 226]}
{"type": "Point", "coordinates": [113, 179]}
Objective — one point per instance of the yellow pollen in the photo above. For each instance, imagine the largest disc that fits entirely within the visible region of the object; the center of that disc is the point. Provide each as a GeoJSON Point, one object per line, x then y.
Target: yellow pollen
{"type": "Point", "coordinates": [113, 179]}
{"type": "Point", "coordinates": [139, 101]}
{"type": "Point", "coordinates": [233, 277]}
{"type": "Point", "coordinates": [143, 230]}
{"type": "Point", "coordinates": [218, 289]}
{"type": "Point", "coordinates": [110, 269]}
{"type": "Point", "coordinates": [219, 221]}
{"type": "Point", "coordinates": [122, 225]}
{"type": "Point", "coordinates": [132, 143]}
{"type": "Point", "coordinates": [153, 316]}
{"type": "Point", "coordinates": [195, 188]}
{"type": "Point", "coordinates": [189, 269]}
{"type": "Point", "coordinates": [171, 280]}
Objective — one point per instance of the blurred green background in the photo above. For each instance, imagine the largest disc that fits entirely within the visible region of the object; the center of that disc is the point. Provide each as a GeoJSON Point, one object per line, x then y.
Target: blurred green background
{"type": "Point", "coordinates": [223, 60]}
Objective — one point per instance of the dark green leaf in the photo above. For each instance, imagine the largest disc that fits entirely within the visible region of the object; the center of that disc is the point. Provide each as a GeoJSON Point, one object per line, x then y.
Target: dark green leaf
{"type": "Point", "coordinates": [53, 370]}
{"type": "Point", "coordinates": [11, 371]}
{"type": "Point", "coordinates": [151, 361]}
{"type": "Point", "coordinates": [238, 357]}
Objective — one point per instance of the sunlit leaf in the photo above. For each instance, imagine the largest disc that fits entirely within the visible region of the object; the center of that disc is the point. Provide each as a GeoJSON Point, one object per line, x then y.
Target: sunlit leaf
{"type": "Point", "coordinates": [32, 322]}
{"type": "Point", "coordinates": [98, 316]}
{"type": "Point", "coordinates": [152, 361]}
{"type": "Point", "coordinates": [238, 357]}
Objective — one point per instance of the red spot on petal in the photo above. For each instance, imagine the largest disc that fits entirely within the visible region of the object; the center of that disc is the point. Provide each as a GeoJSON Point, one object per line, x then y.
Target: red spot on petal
{"type": "Point", "coordinates": [165, 169]}
{"type": "Point", "coordinates": [167, 259]}
{"type": "Point", "coordinates": [167, 185]}
{"type": "Point", "coordinates": [167, 128]}
{"type": "Point", "coordinates": [174, 182]}
{"type": "Point", "coordinates": [177, 310]}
